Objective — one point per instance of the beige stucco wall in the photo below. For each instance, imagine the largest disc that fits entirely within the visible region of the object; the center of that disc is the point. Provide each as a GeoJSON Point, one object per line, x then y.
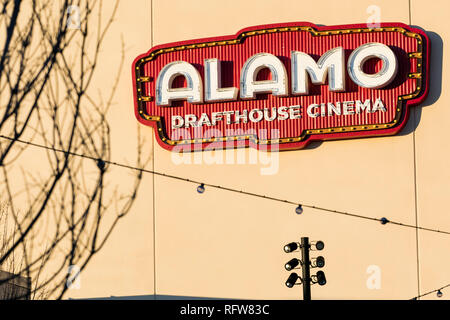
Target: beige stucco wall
{"type": "Point", "coordinates": [432, 146]}
{"type": "Point", "coordinates": [222, 244]}
{"type": "Point", "coordinates": [125, 265]}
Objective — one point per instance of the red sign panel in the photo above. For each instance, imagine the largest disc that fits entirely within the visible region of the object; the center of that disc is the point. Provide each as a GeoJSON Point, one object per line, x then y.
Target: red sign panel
{"type": "Point", "coordinates": [281, 85]}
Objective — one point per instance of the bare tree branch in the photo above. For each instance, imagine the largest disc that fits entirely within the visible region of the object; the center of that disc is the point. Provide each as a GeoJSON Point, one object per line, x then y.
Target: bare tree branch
{"type": "Point", "coordinates": [62, 214]}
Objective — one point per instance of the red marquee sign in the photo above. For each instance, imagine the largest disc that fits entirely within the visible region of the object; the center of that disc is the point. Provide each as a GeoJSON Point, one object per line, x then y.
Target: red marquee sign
{"type": "Point", "coordinates": [282, 85]}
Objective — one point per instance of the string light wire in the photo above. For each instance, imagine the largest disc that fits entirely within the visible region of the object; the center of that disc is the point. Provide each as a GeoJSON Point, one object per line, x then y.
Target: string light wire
{"type": "Point", "coordinates": [430, 292]}
{"type": "Point", "coordinates": [235, 191]}
{"type": "Point", "coordinates": [170, 176]}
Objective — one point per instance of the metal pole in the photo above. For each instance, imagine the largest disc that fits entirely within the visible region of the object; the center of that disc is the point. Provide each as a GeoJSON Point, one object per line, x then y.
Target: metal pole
{"type": "Point", "coordinates": [305, 269]}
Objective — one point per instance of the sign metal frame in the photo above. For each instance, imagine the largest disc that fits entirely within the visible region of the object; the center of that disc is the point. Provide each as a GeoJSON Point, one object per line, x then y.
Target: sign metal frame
{"type": "Point", "coordinates": [419, 57]}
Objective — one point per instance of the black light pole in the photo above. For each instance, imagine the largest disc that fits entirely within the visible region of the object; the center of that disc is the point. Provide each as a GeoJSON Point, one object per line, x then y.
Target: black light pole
{"type": "Point", "coordinates": [318, 262]}
{"type": "Point", "coordinates": [304, 246]}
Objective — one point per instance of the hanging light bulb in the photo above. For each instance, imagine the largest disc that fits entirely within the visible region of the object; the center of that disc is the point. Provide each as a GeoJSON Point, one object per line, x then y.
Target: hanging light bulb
{"type": "Point", "coordinates": [201, 188]}
{"type": "Point", "coordinates": [299, 209]}
{"type": "Point", "coordinates": [101, 164]}
{"type": "Point", "coordinates": [439, 293]}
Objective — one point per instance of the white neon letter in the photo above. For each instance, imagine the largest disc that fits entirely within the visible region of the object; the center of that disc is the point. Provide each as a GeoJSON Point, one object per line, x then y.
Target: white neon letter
{"type": "Point", "coordinates": [331, 62]}
{"type": "Point", "coordinates": [193, 91]}
{"type": "Point", "coordinates": [278, 86]}
{"type": "Point", "coordinates": [311, 112]}
{"type": "Point", "coordinates": [213, 90]}
{"type": "Point", "coordinates": [368, 51]}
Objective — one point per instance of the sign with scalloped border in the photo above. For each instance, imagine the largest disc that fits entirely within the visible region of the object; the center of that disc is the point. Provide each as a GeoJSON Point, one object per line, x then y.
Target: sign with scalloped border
{"type": "Point", "coordinates": [281, 86]}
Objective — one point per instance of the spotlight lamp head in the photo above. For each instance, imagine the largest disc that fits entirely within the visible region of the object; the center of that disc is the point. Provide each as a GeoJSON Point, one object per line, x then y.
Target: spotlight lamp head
{"type": "Point", "coordinates": [384, 220]}
{"type": "Point", "coordinates": [299, 209]}
{"type": "Point", "coordinates": [439, 294]}
{"type": "Point", "coordinates": [201, 188]}
{"type": "Point", "coordinates": [290, 247]}
{"type": "Point", "coordinates": [321, 280]}
{"type": "Point", "coordinates": [320, 262]}
{"type": "Point", "coordinates": [291, 264]}
{"type": "Point", "coordinates": [291, 281]}
{"type": "Point", "coordinates": [319, 245]}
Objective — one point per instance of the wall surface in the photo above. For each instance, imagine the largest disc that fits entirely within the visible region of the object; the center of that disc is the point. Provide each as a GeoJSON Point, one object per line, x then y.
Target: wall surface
{"type": "Point", "coordinates": [125, 265]}
{"type": "Point", "coordinates": [228, 245]}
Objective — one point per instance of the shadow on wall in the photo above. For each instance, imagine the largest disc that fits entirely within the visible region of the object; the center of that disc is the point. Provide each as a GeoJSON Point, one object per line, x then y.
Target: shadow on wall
{"type": "Point", "coordinates": [435, 81]}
